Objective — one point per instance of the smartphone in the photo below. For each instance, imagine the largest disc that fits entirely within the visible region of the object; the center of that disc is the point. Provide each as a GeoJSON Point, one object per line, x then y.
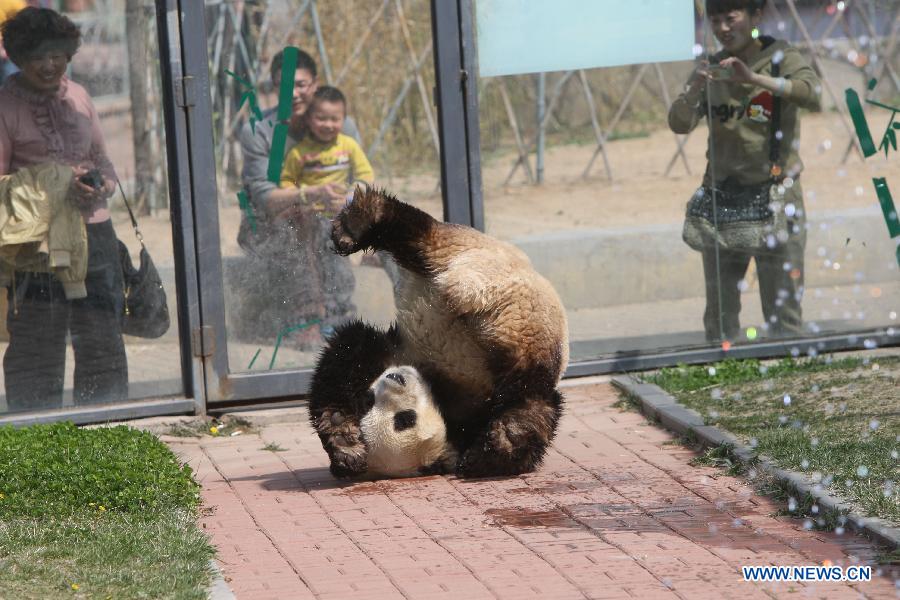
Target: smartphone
{"type": "Point", "coordinates": [92, 178]}
{"type": "Point", "coordinates": [718, 72]}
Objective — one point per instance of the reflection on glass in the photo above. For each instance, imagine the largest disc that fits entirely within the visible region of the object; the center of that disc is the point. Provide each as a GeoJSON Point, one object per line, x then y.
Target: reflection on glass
{"type": "Point", "coordinates": [291, 156]}
{"type": "Point", "coordinates": [605, 224]}
{"type": "Point", "coordinates": [61, 127]}
{"type": "Point", "coordinates": [750, 205]}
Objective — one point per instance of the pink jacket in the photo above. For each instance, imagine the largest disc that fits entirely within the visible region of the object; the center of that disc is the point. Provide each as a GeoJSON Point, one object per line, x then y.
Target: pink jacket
{"type": "Point", "coordinates": [62, 128]}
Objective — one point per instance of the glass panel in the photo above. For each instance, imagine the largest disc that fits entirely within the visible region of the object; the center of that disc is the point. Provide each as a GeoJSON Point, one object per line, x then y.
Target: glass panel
{"type": "Point", "coordinates": [284, 286]}
{"type": "Point", "coordinates": [828, 262]}
{"type": "Point", "coordinates": [597, 196]}
{"type": "Point", "coordinates": [62, 339]}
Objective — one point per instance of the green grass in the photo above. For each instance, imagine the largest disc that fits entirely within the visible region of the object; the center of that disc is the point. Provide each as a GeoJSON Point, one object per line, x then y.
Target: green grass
{"type": "Point", "coordinates": [837, 420]}
{"type": "Point", "coordinates": [97, 513]}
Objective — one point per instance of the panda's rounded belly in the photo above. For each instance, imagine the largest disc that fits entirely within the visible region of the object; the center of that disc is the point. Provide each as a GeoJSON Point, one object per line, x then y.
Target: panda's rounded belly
{"type": "Point", "coordinates": [432, 335]}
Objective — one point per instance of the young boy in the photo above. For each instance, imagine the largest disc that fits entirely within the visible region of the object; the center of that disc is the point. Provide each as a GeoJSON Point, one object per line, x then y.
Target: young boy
{"type": "Point", "coordinates": [325, 155]}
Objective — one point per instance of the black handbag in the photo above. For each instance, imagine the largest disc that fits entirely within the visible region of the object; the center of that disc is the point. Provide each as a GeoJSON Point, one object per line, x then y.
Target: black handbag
{"type": "Point", "coordinates": [146, 312]}
{"type": "Point", "coordinates": [747, 218]}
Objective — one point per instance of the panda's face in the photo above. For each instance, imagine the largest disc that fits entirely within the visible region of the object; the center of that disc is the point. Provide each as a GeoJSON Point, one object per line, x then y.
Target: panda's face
{"type": "Point", "coordinates": [404, 430]}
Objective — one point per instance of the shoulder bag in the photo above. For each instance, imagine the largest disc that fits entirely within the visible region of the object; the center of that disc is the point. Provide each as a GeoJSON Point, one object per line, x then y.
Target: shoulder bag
{"type": "Point", "coordinates": [747, 218]}
{"type": "Point", "coordinates": [146, 312]}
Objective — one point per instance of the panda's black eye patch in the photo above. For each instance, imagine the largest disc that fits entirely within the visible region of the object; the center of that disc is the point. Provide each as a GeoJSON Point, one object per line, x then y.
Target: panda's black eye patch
{"type": "Point", "coordinates": [397, 377]}
{"type": "Point", "coordinates": [405, 419]}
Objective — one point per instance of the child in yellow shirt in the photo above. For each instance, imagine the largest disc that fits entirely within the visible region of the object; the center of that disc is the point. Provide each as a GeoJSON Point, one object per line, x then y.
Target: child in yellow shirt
{"type": "Point", "coordinates": [325, 155]}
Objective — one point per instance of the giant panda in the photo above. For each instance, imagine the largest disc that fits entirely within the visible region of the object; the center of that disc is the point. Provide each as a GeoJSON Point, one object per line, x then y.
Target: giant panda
{"type": "Point", "coordinates": [485, 331]}
{"type": "Point", "coordinates": [404, 431]}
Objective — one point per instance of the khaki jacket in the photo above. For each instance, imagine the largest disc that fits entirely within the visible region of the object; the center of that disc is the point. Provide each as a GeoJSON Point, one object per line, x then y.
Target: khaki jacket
{"type": "Point", "coordinates": [739, 117]}
{"type": "Point", "coordinates": [40, 229]}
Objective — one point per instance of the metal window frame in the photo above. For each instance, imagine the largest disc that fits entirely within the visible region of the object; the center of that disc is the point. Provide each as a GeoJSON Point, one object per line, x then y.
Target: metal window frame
{"type": "Point", "coordinates": [185, 256]}
{"type": "Point", "coordinates": [195, 226]}
{"type": "Point", "coordinates": [461, 193]}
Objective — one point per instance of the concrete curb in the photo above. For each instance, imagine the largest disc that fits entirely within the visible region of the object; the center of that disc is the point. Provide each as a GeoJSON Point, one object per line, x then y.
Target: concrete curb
{"type": "Point", "coordinates": [218, 588]}
{"type": "Point", "coordinates": [657, 404]}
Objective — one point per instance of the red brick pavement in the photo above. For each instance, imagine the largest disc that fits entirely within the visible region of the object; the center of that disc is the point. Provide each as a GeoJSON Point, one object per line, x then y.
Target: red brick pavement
{"type": "Point", "coordinates": [616, 511]}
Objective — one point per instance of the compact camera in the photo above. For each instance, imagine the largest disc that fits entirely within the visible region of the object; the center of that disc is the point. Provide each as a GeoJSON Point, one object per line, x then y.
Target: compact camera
{"type": "Point", "coordinates": [92, 178]}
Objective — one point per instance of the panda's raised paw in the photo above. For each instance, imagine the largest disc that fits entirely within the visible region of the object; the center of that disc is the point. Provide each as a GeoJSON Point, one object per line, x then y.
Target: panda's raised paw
{"type": "Point", "coordinates": [351, 228]}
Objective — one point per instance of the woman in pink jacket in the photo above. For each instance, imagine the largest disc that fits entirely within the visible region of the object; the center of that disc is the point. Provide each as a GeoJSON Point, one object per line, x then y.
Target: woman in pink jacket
{"type": "Point", "coordinates": [45, 117]}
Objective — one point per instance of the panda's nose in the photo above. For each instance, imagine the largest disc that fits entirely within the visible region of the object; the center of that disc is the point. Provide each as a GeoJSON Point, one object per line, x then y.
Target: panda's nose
{"type": "Point", "coordinates": [396, 377]}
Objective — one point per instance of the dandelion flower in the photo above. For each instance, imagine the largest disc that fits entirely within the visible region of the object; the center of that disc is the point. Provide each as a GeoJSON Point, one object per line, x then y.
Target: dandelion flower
{"type": "Point", "coordinates": [75, 586]}
{"type": "Point", "coordinates": [214, 430]}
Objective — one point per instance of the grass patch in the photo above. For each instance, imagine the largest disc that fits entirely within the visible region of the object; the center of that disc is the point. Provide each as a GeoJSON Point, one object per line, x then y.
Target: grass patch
{"type": "Point", "coordinates": [273, 447]}
{"type": "Point", "coordinates": [837, 420]}
{"type": "Point", "coordinates": [97, 513]}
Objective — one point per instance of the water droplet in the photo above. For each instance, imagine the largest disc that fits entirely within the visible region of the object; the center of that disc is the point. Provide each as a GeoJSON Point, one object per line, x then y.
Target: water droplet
{"type": "Point", "coordinates": [711, 371]}
{"type": "Point", "coordinates": [839, 530]}
{"type": "Point", "coordinates": [814, 508]}
{"type": "Point", "coordinates": [808, 524]}
{"type": "Point", "coordinates": [787, 399]}
{"type": "Point", "coordinates": [754, 442]}
{"type": "Point", "coordinates": [782, 419]}
{"type": "Point", "coordinates": [716, 394]}
{"type": "Point", "coordinates": [862, 470]}
{"type": "Point", "coordinates": [873, 424]}
{"type": "Point", "coordinates": [737, 523]}
{"type": "Point", "coordinates": [814, 442]}
{"type": "Point", "coordinates": [792, 504]}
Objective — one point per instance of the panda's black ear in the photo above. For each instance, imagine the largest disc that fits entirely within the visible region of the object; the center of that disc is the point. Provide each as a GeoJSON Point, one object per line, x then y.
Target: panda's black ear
{"type": "Point", "coordinates": [405, 419]}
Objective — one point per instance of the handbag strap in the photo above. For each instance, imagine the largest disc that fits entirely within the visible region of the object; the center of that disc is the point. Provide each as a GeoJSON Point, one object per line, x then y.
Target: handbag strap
{"type": "Point", "coordinates": [137, 232]}
{"type": "Point", "coordinates": [774, 126]}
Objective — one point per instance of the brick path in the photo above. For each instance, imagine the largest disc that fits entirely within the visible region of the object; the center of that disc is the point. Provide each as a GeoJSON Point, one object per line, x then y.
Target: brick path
{"type": "Point", "coordinates": [616, 511]}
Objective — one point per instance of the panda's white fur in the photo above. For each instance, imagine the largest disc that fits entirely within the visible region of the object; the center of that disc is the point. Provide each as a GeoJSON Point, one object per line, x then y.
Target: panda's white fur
{"type": "Point", "coordinates": [404, 431]}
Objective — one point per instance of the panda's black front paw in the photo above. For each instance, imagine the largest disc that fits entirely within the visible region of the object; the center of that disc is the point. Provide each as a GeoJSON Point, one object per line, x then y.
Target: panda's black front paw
{"type": "Point", "coordinates": [349, 462]}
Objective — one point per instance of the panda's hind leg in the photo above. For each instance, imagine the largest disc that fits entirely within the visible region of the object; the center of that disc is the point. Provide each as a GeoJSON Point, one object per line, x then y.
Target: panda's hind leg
{"type": "Point", "coordinates": [354, 356]}
{"type": "Point", "coordinates": [516, 437]}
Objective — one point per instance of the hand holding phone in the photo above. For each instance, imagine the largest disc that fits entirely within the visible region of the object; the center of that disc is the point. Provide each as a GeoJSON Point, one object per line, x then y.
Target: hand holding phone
{"type": "Point", "coordinates": [92, 178]}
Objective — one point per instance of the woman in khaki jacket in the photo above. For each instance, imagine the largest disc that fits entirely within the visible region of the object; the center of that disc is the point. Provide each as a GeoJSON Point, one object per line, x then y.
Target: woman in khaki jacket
{"type": "Point", "coordinates": [735, 90]}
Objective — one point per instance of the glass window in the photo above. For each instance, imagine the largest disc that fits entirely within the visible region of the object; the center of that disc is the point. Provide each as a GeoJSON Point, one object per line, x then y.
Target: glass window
{"type": "Point", "coordinates": [288, 156]}
{"type": "Point", "coordinates": [79, 118]}
{"type": "Point", "coordinates": [590, 171]}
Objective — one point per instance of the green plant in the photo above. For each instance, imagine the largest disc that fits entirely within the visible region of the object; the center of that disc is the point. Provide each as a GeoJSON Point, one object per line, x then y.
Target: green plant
{"type": "Point", "coordinates": [99, 513]}
{"type": "Point", "coordinates": [836, 420]}
{"type": "Point", "coordinates": [59, 469]}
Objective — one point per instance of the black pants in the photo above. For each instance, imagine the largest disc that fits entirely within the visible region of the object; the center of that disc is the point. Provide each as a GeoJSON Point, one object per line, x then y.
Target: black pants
{"type": "Point", "coordinates": [38, 319]}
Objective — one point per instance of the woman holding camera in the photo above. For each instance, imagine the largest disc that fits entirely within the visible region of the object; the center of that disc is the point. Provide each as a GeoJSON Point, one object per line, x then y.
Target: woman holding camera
{"type": "Point", "coordinates": [47, 118]}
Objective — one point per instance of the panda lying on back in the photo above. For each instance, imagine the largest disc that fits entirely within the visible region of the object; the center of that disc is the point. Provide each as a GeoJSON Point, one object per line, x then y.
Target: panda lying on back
{"type": "Point", "coordinates": [404, 432]}
{"type": "Point", "coordinates": [485, 332]}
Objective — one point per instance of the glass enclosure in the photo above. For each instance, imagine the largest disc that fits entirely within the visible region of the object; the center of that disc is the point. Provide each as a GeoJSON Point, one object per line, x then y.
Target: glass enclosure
{"type": "Point", "coordinates": [65, 304]}
{"type": "Point", "coordinates": [284, 286]}
{"type": "Point", "coordinates": [588, 172]}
